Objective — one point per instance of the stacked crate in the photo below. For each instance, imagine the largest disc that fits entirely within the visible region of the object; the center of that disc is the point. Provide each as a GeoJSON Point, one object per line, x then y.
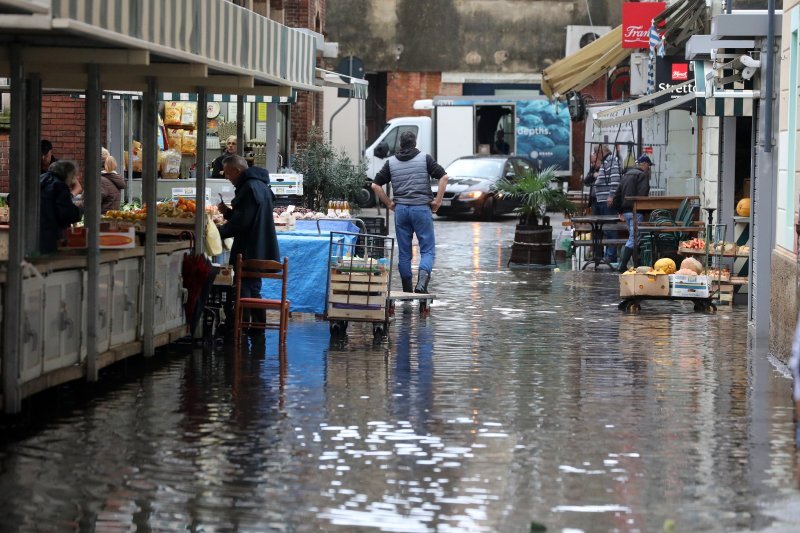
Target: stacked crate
{"type": "Point", "coordinates": [358, 291]}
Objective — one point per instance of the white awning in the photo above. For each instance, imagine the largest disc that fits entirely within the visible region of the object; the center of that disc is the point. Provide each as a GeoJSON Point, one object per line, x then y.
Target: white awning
{"type": "Point", "coordinates": [358, 88]}
{"type": "Point", "coordinates": [609, 116]}
{"type": "Point", "coordinates": [629, 117]}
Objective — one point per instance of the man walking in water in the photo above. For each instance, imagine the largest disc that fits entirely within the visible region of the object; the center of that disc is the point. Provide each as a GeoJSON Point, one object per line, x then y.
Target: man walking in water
{"type": "Point", "coordinates": [410, 172]}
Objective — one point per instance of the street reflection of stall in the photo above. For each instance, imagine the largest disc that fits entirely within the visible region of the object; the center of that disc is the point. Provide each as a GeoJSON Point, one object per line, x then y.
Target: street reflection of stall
{"type": "Point", "coordinates": [82, 309]}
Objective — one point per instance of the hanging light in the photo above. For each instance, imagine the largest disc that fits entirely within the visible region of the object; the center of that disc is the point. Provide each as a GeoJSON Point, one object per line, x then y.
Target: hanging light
{"type": "Point", "coordinates": [576, 106]}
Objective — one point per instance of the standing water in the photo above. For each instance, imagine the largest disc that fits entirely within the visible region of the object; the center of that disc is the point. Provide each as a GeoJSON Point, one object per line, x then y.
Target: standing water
{"type": "Point", "coordinates": [526, 400]}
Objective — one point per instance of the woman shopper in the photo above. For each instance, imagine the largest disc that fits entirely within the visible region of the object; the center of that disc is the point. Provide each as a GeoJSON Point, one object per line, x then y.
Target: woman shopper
{"type": "Point", "coordinates": [57, 210]}
{"type": "Point", "coordinates": [111, 184]}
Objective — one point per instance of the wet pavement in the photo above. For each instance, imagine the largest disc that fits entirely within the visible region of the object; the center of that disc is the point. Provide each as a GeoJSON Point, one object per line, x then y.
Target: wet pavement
{"type": "Point", "coordinates": [526, 400]}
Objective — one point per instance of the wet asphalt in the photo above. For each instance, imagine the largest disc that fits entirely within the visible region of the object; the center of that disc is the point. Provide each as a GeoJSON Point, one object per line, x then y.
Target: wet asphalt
{"type": "Point", "coordinates": [525, 400]}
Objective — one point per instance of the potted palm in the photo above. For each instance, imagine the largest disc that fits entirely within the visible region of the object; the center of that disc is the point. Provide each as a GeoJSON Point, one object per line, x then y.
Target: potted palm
{"type": "Point", "coordinates": [533, 238]}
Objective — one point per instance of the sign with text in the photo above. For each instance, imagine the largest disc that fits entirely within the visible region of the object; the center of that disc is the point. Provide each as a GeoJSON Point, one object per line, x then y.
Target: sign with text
{"type": "Point", "coordinates": [673, 70]}
{"type": "Point", "coordinates": [636, 21]}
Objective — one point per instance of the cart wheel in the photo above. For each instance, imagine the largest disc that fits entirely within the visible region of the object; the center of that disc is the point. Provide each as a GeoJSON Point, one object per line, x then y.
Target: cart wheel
{"type": "Point", "coordinates": [379, 330]}
{"type": "Point", "coordinates": [710, 309]}
{"type": "Point", "coordinates": [700, 307]}
{"type": "Point", "coordinates": [633, 308]}
{"type": "Point", "coordinates": [338, 328]}
{"type": "Point", "coordinates": [623, 305]}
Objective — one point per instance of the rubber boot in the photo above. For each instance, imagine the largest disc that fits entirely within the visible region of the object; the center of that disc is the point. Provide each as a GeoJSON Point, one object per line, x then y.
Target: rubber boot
{"type": "Point", "coordinates": [624, 258]}
{"type": "Point", "coordinates": [407, 284]}
{"type": "Point", "coordinates": [422, 282]}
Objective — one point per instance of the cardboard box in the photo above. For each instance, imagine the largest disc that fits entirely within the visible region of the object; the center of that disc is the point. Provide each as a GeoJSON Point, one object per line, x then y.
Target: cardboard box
{"type": "Point", "coordinates": [643, 285]}
{"type": "Point", "coordinates": [688, 286]}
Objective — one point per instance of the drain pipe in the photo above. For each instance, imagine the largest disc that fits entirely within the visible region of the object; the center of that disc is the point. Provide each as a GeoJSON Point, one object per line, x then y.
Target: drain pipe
{"type": "Point", "coordinates": [330, 122]}
{"type": "Point", "coordinates": [769, 68]}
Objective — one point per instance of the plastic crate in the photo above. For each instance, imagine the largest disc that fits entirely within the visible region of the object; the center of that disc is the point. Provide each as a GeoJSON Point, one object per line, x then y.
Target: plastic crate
{"type": "Point", "coordinates": [375, 225]}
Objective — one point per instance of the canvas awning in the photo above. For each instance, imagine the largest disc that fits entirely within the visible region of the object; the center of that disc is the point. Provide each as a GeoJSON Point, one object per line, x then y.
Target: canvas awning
{"type": "Point", "coordinates": [616, 115]}
{"type": "Point", "coordinates": [359, 89]}
{"type": "Point", "coordinates": [735, 98]}
{"type": "Point", "coordinates": [580, 69]}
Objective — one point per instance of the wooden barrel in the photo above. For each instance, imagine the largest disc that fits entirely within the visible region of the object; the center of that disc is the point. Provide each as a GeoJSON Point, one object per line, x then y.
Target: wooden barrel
{"type": "Point", "coordinates": [532, 245]}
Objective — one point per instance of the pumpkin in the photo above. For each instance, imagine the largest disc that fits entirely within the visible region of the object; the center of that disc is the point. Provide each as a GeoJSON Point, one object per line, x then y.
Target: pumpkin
{"type": "Point", "coordinates": [686, 272]}
{"type": "Point", "coordinates": [666, 265]}
{"type": "Point", "coordinates": [690, 263]}
{"type": "Point", "coordinates": [743, 207]}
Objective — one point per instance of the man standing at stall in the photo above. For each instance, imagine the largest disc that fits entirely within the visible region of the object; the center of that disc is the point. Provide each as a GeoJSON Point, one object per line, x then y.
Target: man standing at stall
{"type": "Point", "coordinates": [249, 221]}
{"type": "Point", "coordinates": [410, 172]}
{"type": "Point", "coordinates": [607, 177]}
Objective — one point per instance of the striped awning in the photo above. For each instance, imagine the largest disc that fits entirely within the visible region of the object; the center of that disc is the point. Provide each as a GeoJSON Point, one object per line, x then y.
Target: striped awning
{"type": "Point", "coordinates": [248, 99]}
{"type": "Point", "coordinates": [358, 88]}
{"type": "Point", "coordinates": [217, 33]}
{"type": "Point", "coordinates": [735, 98]}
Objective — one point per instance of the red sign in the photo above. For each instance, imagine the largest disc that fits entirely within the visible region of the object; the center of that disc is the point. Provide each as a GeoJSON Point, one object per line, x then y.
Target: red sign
{"type": "Point", "coordinates": [680, 71]}
{"type": "Point", "coordinates": [636, 21]}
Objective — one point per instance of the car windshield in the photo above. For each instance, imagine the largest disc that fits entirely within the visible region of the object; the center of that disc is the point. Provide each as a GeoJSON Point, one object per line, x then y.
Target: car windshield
{"type": "Point", "coordinates": [475, 168]}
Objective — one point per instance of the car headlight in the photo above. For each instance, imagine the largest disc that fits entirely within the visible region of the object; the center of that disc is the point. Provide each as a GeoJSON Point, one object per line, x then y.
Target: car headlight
{"type": "Point", "coordinates": [471, 195]}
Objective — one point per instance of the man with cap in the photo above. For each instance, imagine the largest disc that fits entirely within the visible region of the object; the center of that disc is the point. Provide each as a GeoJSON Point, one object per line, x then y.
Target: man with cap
{"type": "Point", "coordinates": [635, 182]}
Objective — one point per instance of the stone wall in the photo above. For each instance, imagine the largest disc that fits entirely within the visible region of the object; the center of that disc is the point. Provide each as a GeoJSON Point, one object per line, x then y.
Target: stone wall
{"type": "Point", "coordinates": [783, 303]}
{"type": "Point", "coordinates": [463, 36]}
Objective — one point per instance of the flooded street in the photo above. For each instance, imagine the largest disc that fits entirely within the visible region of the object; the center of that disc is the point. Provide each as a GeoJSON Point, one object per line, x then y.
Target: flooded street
{"type": "Point", "coordinates": [525, 400]}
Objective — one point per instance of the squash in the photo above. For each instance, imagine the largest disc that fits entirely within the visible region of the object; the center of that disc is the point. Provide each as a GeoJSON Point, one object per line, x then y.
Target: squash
{"type": "Point", "coordinates": [642, 270]}
{"type": "Point", "coordinates": [666, 265]}
{"type": "Point", "coordinates": [743, 207]}
{"type": "Point", "coordinates": [692, 264]}
{"type": "Point", "coordinates": [686, 272]}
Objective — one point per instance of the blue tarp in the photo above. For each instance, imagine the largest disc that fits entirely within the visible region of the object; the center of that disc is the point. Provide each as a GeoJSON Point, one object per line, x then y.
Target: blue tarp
{"type": "Point", "coordinates": [308, 272]}
{"type": "Point", "coordinates": [326, 226]}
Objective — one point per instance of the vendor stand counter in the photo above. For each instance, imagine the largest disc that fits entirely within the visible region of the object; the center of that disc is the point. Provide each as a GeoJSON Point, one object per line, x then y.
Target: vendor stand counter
{"type": "Point", "coordinates": [54, 310]}
{"type": "Point", "coordinates": [308, 274]}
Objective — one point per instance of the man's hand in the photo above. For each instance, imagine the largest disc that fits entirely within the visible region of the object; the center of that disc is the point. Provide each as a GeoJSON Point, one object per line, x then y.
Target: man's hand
{"type": "Point", "coordinates": [391, 206]}
{"type": "Point", "coordinates": [436, 204]}
{"type": "Point", "coordinates": [610, 201]}
{"type": "Point", "coordinates": [224, 209]}
{"type": "Point", "coordinates": [621, 217]}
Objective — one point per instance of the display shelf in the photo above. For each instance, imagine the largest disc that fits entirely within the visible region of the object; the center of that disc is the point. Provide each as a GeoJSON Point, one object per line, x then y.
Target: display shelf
{"type": "Point", "coordinates": [711, 253]}
{"type": "Point", "coordinates": [741, 220]}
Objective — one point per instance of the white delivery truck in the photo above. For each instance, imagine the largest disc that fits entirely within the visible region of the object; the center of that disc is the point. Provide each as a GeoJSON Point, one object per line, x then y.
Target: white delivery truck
{"type": "Point", "coordinates": [533, 127]}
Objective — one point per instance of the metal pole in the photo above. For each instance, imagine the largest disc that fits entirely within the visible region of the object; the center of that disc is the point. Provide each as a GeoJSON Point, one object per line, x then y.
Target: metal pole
{"type": "Point", "coordinates": [769, 70]}
{"type": "Point", "coordinates": [128, 190]}
{"type": "Point", "coordinates": [91, 203]}
{"type": "Point", "coordinates": [200, 172]}
{"type": "Point", "coordinates": [240, 124]}
{"type": "Point", "coordinates": [149, 186]}
{"type": "Point", "coordinates": [33, 162]}
{"type": "Point", "coordinates": [330, 122]}
{"type": "Point", "coordinates": [13, 317]}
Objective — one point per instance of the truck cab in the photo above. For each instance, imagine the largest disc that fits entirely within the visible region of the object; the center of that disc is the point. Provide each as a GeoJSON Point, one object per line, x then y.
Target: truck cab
{"type": "Point", "coordinates": [377, 154]}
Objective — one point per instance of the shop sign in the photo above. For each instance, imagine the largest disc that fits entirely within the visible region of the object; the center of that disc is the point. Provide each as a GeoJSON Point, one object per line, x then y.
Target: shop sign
{"type": "Point", "coordinates": [673, 70]}
{"type": "Point", "coordinates": [636, 21]}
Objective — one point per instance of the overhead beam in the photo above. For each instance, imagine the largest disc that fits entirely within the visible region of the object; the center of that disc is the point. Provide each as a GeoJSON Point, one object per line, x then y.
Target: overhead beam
{"type": "Point", "coordinates": [100, 56]}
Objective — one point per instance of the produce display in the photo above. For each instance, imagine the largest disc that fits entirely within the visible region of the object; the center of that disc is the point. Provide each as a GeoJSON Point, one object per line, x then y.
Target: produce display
{"type": "Point", "coordinates": [181, 209]}
{"type": "Point", "coordinates": [301, 213]}
{"type": "Point", "coordinates": [722, 247]}
{"type": "Point", "coordinates": [691, 264]}
{"type": "Point", "coordinates": [694, 244]}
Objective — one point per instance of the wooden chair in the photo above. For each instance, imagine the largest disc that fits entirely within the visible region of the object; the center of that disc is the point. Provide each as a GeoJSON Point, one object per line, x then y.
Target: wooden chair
{"type": "Point", "coordinates": [262, 269]}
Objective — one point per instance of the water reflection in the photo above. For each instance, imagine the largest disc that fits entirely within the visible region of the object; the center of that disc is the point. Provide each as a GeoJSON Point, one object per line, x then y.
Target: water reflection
{"type": "Point", "coordinates": [525, 398]}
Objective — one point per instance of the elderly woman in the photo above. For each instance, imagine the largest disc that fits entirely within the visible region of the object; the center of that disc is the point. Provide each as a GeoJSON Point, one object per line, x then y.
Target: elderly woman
{"type": "Point", "coordinates": [111, 184]}
{"type": "Point", "coordinates": [57, 211]}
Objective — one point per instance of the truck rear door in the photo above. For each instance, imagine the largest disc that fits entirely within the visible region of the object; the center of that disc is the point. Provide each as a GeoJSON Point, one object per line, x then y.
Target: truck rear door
{"type": "Point", "coordinates": [455, 133]}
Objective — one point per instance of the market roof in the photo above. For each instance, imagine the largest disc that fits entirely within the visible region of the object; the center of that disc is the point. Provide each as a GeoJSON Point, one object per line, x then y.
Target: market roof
{"type": "Point", "coordinates": [358, 88]}
{"type": "Point", "coordinates": [214, 44]}
{"type": "Point", "coordinates": [578, 70]}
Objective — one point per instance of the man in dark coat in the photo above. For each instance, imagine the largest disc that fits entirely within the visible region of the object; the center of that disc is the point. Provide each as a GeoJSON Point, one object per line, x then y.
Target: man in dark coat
{"type": "Point", "coordinates": [57, 211]}
{"type": "Point", "coordinates": [249, 218]}
{"type": "Point", "coordinates": [217, 171]}
{"type": "Point", "coordinates": [635, 182]}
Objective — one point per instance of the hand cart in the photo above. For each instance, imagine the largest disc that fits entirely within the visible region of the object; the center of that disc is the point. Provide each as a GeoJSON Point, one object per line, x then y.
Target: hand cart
{"type": "Point", "coordinates": [359, 282]}
{"type": "Point", "coordinates": [632, 304]}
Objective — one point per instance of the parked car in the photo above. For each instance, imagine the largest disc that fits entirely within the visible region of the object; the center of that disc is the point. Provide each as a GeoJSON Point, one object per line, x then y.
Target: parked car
{"type": "Point", "coordinates": [470, 187]}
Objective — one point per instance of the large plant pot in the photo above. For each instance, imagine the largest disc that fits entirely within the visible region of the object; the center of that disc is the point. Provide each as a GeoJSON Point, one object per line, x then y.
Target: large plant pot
{"type": "Point", "coordinates": [533, 245]}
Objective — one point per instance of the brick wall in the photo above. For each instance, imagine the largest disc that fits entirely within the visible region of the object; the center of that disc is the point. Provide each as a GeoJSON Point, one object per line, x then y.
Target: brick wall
{"type": "Point", "coordinates": [64, 125]}
{"type": "Point", "coordinates": [306, 114]}
{"type": "Point", "coordinates": [403, 88]}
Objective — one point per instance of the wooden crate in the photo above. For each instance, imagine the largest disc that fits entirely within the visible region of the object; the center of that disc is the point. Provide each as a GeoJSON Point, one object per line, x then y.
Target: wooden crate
{"type": "Point", "coordinates": [359, 282]}
{"type": "Point", "coordinates": [358, 314]}
{"type": "Point", "coordinates": [358, 295]}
